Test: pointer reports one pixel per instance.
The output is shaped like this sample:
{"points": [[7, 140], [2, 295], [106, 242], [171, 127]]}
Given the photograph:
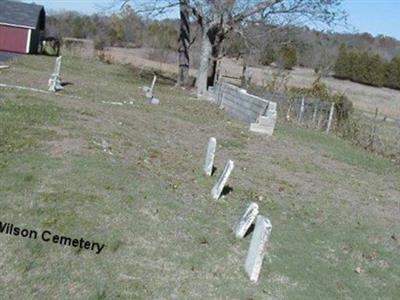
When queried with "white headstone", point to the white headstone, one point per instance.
{"points": [[57, 66], [223, 178], [55, 79], [209, 163], [257, 247], [246, 220]]}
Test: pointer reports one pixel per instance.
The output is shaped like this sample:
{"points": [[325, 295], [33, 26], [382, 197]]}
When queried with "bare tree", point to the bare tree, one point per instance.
{"points": [[184, 44], [216, 18]]}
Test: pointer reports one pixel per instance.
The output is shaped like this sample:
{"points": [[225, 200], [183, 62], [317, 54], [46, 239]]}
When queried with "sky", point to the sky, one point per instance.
{"points": [[373, 16]]}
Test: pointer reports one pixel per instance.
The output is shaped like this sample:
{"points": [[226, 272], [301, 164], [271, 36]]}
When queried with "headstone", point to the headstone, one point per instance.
{"points": [[209, 163], [257, 247], [246, 220], [223, 178], [55, 79]]}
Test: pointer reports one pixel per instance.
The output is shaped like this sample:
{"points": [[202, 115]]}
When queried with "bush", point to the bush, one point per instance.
{"points": [[268, 56], [288, 57], [99, 43], [365, 67], [392, 76]]}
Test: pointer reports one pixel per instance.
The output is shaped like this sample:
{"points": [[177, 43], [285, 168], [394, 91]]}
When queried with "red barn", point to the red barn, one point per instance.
{"points": [[21, 26]]}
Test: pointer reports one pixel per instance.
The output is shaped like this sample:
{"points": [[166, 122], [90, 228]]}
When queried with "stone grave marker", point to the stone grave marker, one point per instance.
{"points": [[246, 220], [55, 79], [257, 247], [222, 180], [209, 163]]}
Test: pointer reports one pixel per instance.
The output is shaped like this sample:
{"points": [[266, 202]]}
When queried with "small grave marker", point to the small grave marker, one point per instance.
{"points": [[55, 79], [257, 247], [246, 220], [223, 178], [209, 163]]}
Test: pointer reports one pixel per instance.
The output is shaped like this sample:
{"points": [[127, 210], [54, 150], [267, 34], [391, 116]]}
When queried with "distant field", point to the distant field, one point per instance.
{"points": [[365, 98]]}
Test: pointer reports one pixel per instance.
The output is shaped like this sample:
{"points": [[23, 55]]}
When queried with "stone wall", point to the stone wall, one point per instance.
{"points": [[258, 112]]}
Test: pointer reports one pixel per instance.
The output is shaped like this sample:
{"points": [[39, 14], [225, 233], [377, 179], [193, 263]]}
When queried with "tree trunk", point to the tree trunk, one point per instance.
{"points": [[215, 57], [184, 44], [205, 56]]}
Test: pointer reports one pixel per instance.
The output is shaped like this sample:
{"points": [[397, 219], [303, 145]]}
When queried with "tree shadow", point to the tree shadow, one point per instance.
{"points": [[66, 83]]}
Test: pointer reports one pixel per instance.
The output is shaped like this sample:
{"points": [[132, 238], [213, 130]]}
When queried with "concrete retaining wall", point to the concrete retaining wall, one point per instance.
{"points": [[246, 107]]}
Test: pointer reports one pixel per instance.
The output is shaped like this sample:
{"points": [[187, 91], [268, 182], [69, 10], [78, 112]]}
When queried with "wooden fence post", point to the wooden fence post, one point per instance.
{"points": [[301, 111], [328, 128]]}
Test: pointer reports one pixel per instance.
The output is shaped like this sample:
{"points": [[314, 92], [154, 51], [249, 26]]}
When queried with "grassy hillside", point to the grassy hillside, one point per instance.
{"points": [[333, 207]]}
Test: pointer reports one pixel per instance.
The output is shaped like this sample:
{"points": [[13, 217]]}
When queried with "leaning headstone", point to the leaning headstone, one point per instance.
{"points": [[257, 247], [209, 163], [149, 90], [55, 79], [246, 220], [222, 180]]}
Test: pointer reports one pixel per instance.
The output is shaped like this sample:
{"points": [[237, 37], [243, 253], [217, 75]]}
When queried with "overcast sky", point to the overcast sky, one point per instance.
{"points": [[373, 16]]}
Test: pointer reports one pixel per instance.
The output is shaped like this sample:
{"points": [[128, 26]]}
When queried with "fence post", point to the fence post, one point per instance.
{"points": [[328, 128], [301, 111], [314, 118]]}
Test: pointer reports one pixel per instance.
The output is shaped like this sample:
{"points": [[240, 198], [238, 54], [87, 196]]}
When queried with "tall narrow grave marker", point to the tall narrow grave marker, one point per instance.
{"points": [[209, 163], [222, 180], [257, 247], [55, 79]]}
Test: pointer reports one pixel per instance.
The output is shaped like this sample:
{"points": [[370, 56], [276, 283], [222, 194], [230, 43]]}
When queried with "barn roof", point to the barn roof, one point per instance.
{"points": [[22, 14]]}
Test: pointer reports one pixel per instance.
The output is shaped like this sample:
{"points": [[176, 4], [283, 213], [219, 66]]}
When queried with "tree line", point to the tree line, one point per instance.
{"points": [[367, 67]]}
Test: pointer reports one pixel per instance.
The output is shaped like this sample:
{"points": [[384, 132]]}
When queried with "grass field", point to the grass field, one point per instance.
{"points": [[333, 207]]}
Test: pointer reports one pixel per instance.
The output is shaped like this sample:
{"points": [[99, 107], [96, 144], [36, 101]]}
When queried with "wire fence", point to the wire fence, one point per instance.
{"points": [[374, 132]]}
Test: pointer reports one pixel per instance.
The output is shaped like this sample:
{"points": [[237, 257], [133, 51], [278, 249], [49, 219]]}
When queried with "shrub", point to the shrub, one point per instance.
{"points": [[288, 57], [99, 43], [392, 75], [268, 56]]}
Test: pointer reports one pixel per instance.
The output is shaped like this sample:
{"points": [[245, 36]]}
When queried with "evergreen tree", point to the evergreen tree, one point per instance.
{"points": [[393, 73], [340, 69]]}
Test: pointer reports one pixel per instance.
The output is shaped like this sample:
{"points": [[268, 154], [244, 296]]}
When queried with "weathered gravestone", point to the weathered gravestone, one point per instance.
{"points": [[246, 220], [209, 163], [257, 247], [222, 180], [149, 90], [55, 79]]}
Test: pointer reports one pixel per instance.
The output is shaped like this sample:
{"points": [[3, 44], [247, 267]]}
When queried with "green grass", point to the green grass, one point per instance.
{"points": [[333, 207], [340, 149]]}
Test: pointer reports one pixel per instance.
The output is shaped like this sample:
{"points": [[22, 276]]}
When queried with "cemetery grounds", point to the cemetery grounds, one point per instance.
{"points": [[334, 208]]}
